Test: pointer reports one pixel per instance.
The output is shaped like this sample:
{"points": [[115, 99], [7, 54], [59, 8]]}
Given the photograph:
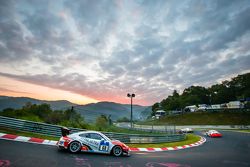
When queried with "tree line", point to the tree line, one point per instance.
{"points": [[238, 88], [68, 117]]}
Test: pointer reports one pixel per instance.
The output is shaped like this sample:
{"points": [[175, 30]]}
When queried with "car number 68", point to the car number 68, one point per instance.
{"points": [[104, 148]]}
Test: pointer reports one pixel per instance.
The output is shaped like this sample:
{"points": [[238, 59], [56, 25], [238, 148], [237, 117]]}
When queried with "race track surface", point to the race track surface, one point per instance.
{"points": [[230, 151]]}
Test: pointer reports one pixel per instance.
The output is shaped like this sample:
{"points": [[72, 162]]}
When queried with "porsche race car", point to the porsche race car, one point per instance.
{"points": [[213, 133], [92, 141]]}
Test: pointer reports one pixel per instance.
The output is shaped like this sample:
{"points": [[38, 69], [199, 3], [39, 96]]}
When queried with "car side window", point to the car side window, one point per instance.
{"points": [[87, 135], [95, 136]]}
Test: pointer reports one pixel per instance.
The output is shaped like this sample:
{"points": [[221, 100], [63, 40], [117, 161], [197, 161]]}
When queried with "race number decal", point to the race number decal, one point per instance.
{"points": [[104, 146]]}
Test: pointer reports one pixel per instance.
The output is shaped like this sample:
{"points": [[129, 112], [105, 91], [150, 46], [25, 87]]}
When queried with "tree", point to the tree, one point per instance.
{"points": [[43, 110], [43, 113], [155, 107], [102, 122], [123, 119], [55, 117], [175, 94], [236, 89]]}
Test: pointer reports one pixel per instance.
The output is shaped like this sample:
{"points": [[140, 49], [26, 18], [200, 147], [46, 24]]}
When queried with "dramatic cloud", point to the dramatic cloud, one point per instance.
{"points": [[105, 49]]}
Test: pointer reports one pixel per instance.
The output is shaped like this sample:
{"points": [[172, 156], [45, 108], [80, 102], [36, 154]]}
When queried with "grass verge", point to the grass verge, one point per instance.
{"points": [[191, 138], [239, 130], [244, 130], [204, 118]]}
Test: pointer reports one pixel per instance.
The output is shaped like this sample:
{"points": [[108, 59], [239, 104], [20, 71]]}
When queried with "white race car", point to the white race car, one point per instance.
{"points": [[186, 130], [92, 141]]}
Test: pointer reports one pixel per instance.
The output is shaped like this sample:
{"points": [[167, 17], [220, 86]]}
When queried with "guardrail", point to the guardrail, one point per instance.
{"points": [[176, 128], [55, 130], [170, 129], [226, 127]]}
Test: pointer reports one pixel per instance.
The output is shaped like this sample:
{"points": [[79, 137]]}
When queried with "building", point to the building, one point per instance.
{"points": [[192, 108], [203, 106], [235, 104], [160, 113], [216, 106]]}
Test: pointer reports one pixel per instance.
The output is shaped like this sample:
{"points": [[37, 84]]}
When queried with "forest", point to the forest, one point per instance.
{"points": [[238, 88]]}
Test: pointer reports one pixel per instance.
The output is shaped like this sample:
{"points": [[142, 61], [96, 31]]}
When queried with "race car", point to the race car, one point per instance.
{"points": [[92, 141], [186, 130], [213, 133]]}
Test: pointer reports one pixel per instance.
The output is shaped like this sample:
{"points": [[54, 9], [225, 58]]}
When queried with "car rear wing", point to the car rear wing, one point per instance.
{"points": [[65, 131]]}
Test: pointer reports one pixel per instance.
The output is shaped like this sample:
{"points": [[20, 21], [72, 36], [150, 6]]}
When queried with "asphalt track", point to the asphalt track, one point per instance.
{"points": [[233, 150]]}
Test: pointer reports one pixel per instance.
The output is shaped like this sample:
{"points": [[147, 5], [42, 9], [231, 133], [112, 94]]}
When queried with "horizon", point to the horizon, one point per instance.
{"points": [[88, 52], [70, 101], [106, 101]]}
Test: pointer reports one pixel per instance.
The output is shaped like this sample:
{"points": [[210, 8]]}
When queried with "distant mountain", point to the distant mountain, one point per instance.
{"points": [[19, 102], [116, 110], [145, 113], [89, 111]]}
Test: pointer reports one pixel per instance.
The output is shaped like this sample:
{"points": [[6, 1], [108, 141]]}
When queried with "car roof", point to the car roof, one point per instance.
{"points": [[87, 131]]}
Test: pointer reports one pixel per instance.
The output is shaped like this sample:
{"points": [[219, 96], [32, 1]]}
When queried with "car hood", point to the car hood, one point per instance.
{"points": [[117, 142]]}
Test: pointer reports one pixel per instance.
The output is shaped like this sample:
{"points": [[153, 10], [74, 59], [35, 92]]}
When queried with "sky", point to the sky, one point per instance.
{"points": [[87, 51]]}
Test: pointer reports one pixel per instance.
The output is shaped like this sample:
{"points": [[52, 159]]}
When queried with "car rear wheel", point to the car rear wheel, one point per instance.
{"points": [[74, 146], [117, 151]]}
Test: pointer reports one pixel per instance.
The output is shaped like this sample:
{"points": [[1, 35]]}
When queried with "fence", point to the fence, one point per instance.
{"points": [[55, 130], [170, 129]]}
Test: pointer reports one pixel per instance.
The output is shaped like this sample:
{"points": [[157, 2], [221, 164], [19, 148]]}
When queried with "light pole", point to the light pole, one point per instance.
{"points": [[131, 114]]}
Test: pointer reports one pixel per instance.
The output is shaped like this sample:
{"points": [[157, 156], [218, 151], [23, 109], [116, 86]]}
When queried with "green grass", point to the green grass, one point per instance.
{"points": [[238, 130], [204, 118], [191, 138], [248, 131]]}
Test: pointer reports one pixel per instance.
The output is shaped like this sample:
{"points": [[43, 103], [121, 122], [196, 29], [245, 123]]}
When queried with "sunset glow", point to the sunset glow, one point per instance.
{"points": [[21, 89], [91, 51]]}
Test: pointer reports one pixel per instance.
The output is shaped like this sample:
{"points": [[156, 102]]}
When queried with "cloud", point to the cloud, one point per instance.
{"points": [[104, 49], [12, 91]]}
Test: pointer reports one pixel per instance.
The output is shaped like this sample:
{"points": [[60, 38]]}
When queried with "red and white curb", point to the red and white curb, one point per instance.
{"points": [[53, 143], [27, 139], [198, 143]]}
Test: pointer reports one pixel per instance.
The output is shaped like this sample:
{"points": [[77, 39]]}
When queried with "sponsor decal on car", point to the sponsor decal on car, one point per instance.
{"points": [[104, 146], [90, 142]]}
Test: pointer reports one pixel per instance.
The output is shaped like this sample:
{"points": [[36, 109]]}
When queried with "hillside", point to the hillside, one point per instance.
{"points": [[19, 102], [89, 111], [201, 118], [236, 89], [116, 110]]}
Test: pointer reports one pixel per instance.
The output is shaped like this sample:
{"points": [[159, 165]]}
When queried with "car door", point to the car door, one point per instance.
{"points": [[89, 140], [95, 142], [103, 145]]}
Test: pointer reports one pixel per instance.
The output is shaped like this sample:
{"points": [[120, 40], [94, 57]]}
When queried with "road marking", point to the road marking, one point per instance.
{"points": [[143, 149], [22, 138], [49, 142], [2, 134], [8, 136], [158, 149], [36, 140]]}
